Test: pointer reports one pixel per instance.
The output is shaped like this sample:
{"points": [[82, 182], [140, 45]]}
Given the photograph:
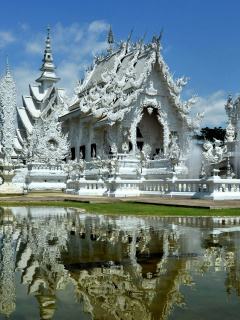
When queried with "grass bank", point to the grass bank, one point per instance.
{"points": [[129, 208]]}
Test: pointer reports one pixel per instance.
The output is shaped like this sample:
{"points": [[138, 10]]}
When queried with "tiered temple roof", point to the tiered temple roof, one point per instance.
{"points": [[42, 97], [117, 79]]}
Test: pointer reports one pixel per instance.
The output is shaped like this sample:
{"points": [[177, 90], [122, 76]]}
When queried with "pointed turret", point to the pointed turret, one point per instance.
{"points": [[48, 76], [7, 69], [110, 40]]}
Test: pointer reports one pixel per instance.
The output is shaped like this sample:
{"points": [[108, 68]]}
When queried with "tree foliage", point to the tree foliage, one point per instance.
{"points": [[209, 133]]}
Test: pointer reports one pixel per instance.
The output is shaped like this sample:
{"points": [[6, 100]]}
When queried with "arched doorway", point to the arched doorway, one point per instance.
{"points": [[150, 131]]}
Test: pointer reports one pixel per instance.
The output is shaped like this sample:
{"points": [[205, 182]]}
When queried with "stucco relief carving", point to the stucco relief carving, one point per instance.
{"points": [[151, 91], [149, 102], [107, 99], [47, 143], [162, 118]]}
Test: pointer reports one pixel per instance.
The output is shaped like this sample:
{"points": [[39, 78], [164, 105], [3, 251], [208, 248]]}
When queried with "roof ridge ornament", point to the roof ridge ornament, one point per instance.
{"points": [[143, 37], [154, 37], [160, 36], [128, 39], [130, 35]]}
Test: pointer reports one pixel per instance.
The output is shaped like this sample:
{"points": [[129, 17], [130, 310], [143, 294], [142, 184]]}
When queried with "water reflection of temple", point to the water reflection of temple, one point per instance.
{"points": [[121, 268]]}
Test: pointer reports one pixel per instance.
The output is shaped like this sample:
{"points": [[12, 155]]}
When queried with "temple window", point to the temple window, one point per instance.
{"points": [[140, 145], [82, 152], [93, 150], [73, 153]]}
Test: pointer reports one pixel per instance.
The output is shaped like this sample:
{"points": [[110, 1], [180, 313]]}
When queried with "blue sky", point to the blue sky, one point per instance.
{"points": [[201, 40]]}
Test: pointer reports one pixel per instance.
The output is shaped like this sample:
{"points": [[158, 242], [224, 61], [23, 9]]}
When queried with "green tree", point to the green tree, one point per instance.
{"points": [[209, 133]]}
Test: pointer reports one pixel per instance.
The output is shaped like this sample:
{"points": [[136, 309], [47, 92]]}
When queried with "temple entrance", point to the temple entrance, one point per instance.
{"points": [[150, 131]]}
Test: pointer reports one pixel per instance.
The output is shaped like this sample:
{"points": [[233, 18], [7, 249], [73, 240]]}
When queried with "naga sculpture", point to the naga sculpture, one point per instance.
{"points": [[214, 153]]}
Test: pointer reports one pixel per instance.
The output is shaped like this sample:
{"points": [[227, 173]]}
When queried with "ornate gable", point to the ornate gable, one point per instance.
{"points": [[112, 86]]}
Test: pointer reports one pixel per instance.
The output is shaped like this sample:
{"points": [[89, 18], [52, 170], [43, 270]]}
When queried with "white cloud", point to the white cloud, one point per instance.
{"points": [[34, 48], [98, 27], [215, 114], [6, 37], [167, 49], [23, 26], [77, 41], [23, 76], [69, 74]]}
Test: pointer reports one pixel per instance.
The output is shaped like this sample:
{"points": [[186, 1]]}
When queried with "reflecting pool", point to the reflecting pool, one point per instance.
{"points": [[59, 263]]}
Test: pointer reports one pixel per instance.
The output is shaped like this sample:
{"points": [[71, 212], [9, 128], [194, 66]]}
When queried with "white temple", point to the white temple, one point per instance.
{"points": [[127, 122], [42, 145], [125, 132], [128, 101]]}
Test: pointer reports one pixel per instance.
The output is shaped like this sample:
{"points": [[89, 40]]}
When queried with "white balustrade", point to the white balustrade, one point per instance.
{"points": [[131, 182]]}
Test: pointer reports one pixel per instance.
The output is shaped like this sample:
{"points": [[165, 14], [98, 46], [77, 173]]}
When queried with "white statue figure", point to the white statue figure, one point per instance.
{"points": [[214, 153], [114, 149], [196, 122], [174, 150], [230, 132], [146, 150], [125, 147], [151, 91], [180, 81], [202, 174]]}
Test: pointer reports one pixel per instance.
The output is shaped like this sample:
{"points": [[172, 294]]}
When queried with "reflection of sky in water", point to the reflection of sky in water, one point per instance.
{"points": [[58, 264]]}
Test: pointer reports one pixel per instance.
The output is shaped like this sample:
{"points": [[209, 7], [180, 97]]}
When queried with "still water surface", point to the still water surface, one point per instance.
{"points": [[57, 263]]}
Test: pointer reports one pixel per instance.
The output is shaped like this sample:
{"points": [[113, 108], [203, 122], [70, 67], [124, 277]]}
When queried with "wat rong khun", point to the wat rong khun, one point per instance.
{"points": [[125, 131]]}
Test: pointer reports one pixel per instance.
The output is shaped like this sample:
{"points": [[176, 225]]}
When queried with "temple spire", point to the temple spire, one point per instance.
{"points": [[48, 47], [110, 40], [48, 67], [7, 69]]}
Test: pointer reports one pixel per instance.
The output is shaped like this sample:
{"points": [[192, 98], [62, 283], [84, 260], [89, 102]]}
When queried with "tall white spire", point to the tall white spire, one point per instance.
{"points": [[7, 69], [48, 68], [8, 107]]}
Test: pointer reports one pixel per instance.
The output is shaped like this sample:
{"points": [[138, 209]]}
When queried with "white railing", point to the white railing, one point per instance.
{"points": [[86, 187], [212, 188], [44, 166]]}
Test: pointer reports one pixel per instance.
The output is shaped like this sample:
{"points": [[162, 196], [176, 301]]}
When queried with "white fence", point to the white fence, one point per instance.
{"points": [[212, 188]]}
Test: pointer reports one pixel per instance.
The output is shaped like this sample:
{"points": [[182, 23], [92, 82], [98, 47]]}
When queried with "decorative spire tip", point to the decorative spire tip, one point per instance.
{"points": [[7, 70]]}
